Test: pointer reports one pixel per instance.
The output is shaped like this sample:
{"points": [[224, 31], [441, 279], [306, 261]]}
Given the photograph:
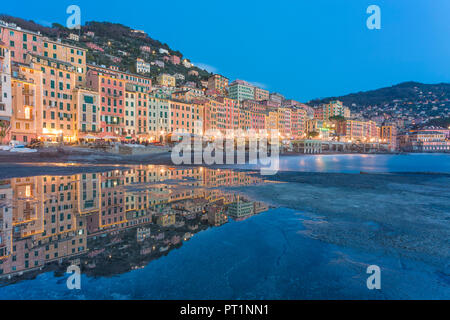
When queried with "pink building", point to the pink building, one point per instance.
{"points": [[146, 49], [112, 97], [175, 59], [95, 47], [270, 104], [231, 112], [258, 121], [20, 42]]}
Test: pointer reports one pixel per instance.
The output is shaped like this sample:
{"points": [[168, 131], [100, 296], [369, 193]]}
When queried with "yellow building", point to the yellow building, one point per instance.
{"points": [[166, 80], [26, 89], [56, 119], [166, 220]]}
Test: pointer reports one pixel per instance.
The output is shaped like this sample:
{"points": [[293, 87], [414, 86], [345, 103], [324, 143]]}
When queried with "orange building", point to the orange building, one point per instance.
{"points": [[231, 111], [284, 122], [57, 118], [298, 122], [142, 114], [261, 94], [185, 117], [218, 83], [142, 83], [26, 102], [389, 135], [65, 52]]}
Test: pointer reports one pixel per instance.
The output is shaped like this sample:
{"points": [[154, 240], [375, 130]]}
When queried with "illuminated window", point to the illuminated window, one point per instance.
{"points": [[27, 113]]}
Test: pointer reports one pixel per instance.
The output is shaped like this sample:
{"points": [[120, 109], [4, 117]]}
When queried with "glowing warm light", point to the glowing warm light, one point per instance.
{"points": [[27, 113], [28, 191]]}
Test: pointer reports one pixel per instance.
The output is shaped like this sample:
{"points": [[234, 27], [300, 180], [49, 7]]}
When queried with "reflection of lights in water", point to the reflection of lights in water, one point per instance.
{"points": [[320, 163], [88, 196]]}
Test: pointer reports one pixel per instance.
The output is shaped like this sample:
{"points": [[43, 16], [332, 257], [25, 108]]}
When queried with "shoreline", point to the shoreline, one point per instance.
{"points": [[89, 156]]}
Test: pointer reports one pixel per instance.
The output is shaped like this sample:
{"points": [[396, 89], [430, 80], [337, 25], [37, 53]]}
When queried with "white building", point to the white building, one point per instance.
{"points": [[142, 66], [159, 63], [179, 76], [159, 116], [163, 51], [74, 37], [187, 63], [130, 113]]}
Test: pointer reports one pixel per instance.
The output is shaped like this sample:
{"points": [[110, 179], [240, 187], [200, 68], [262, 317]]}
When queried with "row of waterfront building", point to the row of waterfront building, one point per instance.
{"points": [[48, 91]]}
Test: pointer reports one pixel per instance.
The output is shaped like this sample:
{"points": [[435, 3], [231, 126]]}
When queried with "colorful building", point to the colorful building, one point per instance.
{"points": [[159, 123], [426, 140], [20, 41], [298, 122], [166, 80], [26, 102], [142, 66], [130, 114], [218, 83], [241, 90], [112, 101], [57, 119], [389, 136], [358, 131], [70, 54], [261, 94], [88, 107], [185, 117], [5, 93]]}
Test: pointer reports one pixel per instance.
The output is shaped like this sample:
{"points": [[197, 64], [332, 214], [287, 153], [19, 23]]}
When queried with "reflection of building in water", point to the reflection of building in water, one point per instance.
{"points": [[241, 207], [46, 223], [142, 234], [216, 214], [26, 217], [260, 207], [191, 205], [6, 215], [88, 197], [56, 218], [166, 220]]}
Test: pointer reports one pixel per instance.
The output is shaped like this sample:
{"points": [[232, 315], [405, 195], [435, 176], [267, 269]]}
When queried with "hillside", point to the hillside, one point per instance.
{"points": [[115, 44], [409, 101]]}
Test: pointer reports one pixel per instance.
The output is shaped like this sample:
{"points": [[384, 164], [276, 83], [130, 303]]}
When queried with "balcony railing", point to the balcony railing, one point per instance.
{"points": [[27, 92], [111, 94]]}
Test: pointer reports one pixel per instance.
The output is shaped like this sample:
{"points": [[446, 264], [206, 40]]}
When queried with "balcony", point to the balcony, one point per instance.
{"points": [[27, 92], [111, 94]]}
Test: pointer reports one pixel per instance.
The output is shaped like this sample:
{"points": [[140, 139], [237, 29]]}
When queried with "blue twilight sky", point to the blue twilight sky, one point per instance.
{"points": [[304, 49]]}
